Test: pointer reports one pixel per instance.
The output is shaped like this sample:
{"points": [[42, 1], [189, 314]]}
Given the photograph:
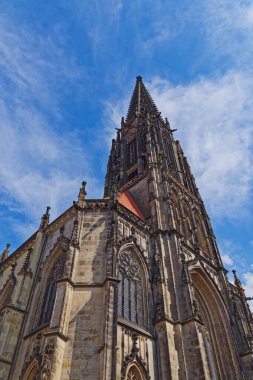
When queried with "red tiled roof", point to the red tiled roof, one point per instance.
{"points": [[126, 200]]}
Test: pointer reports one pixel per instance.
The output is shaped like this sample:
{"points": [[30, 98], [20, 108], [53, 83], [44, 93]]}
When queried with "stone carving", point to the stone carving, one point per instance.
{"points": [[47, 361], [129, 267], [12, 277], [25, 270], [5, 253], [133, 356], [74, 235], [132, 218], [185, 273], [159, 310], [195, 309], [157, 275], [82, 195], [45, 220], [36, 347], [36, 355]]}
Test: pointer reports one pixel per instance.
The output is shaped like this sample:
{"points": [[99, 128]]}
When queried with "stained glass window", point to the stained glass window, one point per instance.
{"points": [[50, 292], [132, 295]]}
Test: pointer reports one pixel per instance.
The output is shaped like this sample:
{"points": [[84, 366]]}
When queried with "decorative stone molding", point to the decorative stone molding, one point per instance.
{"points": [[47, 361], [35, 358], [132, 218], [25, 270], [134, 357], [74, 241], [159, 311], [185, 268], [157, 273], [93, 204], [129, 267]]}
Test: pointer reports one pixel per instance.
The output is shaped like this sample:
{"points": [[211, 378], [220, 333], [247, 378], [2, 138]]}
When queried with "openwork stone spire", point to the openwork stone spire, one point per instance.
{"points": [[141, 101]]}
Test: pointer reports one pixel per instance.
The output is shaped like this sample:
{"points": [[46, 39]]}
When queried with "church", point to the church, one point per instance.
{"points": [[130, 286]]}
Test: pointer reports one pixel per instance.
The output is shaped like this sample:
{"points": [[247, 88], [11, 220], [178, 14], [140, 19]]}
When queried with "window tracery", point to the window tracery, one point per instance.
{"points": [[201, 236], [6, 295], [177, 217], [131, 296], [50, 289], [187, 225], [133, 374]]}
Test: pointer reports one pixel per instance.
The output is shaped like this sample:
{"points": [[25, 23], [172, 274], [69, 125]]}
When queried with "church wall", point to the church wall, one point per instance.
{"points": [[20, 277], [76, 354], [91, 263], [85, 333]]}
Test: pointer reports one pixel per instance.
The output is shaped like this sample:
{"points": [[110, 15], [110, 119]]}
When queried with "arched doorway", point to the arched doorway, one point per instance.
{"points": [[216, 331]]}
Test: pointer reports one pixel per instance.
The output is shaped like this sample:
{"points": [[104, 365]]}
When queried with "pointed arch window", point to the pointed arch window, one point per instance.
{"points": [[6, 295], [132, 289], [201, 236], [55, 274], [32, 372], [134, 374], [187, 222]]}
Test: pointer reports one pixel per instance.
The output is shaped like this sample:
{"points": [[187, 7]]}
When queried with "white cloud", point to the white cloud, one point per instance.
{"points": [[227, 260], [39, 164], [248, 285], [229, 27], [215, 127]]}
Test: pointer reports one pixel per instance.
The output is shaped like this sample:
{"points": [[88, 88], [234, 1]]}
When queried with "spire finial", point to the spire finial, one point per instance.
{"points": [[82, 194], [139, 78], [5, 253], [45, 219]]}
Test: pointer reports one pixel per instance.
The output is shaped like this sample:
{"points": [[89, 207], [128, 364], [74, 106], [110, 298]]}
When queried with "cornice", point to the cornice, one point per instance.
{"points": [[128, 215]]}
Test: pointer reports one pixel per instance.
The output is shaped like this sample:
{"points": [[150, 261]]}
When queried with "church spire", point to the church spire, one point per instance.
{"points": [[145, 138], [141, 101]]}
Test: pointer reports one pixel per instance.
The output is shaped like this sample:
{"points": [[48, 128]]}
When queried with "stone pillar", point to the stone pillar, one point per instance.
{"points": [[109, 356]]}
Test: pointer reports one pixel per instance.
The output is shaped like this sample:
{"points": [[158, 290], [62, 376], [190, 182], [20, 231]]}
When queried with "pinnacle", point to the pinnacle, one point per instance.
{"points": [[45, 219], [82, 194], [5, 253]]}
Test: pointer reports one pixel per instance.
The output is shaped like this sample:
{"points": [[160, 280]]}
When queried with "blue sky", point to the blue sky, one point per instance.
{"points": [[67, 71]]}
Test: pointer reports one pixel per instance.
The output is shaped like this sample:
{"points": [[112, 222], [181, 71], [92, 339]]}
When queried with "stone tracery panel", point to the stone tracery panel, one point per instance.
{"points": [[134, 374], [55, 272], [132, 296]]}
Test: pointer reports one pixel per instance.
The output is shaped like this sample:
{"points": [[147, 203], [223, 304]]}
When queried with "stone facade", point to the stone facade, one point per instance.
{"points": [[128, 287]]}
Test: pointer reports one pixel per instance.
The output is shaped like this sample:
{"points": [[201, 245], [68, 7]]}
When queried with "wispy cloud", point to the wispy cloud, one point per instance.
{"points": [[38, 160], [248, 285], [215, 126], [229, 27], [227, 259]]}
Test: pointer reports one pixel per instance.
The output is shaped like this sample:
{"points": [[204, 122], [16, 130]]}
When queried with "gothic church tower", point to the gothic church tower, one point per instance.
{"points": [[131, 286]]}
